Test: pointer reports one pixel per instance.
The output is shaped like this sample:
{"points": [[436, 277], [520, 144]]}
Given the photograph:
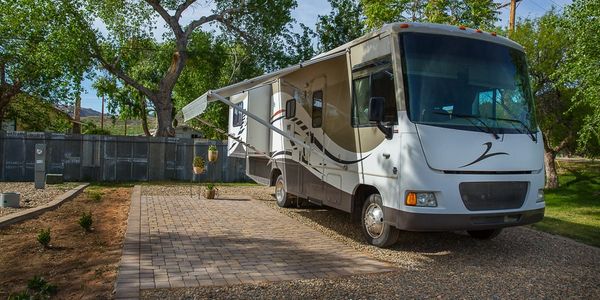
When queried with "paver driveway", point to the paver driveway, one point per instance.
{"points": [[180, 241]]}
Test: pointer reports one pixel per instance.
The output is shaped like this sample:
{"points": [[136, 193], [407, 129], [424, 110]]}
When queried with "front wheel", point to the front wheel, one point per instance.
{"points": [[283, 198], [487, 234], [375, 230]]}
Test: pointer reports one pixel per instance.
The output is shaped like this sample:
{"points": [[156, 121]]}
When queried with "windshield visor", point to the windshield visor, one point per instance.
{"points": [[466, 84]]}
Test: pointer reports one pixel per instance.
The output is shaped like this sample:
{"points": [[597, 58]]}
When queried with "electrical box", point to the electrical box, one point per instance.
{"points": [[10, 200], [40, 166]]}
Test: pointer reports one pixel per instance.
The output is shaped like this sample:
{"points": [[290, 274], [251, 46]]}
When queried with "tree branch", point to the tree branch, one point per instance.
{"points": [[119, 73], [214, 17], [170, 20], [182, 8]]}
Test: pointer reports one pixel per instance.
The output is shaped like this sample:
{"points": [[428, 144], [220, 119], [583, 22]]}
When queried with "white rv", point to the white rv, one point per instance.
{"points": [[417, 127]]}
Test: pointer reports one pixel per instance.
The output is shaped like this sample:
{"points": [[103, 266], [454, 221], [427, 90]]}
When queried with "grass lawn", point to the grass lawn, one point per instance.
{"points": [[573, 210]]}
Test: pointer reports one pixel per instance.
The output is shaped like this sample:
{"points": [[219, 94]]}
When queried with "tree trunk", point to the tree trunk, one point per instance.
{"points": [[164, 114], [551, 172], [144, 116], [77, 116]]}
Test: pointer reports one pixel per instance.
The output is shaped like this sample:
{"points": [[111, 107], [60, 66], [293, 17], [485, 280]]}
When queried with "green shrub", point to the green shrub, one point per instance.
{"points": [[96, 196], [210, 186], [198, 162], [86, 221], [44, 237], [212, 148]]}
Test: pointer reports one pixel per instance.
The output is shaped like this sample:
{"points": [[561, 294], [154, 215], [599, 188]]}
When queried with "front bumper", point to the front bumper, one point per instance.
{"points": [[448, 222]]}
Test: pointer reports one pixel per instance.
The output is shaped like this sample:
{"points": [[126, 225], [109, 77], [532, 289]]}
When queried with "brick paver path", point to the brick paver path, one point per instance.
{"points": [[189, 242]]}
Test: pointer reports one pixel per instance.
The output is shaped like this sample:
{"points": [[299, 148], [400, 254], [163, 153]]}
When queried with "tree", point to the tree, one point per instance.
{"points": [[582, 23], [39, 56], [253, 21], [472, 13], [546, 43], [343, 24]]}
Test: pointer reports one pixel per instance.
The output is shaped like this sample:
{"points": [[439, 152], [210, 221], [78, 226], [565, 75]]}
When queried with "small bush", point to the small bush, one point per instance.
{"points": [[86, 221], [210, 186], [198, 162], [41, 286], [44, 237], [95, 196], [212, 148]]}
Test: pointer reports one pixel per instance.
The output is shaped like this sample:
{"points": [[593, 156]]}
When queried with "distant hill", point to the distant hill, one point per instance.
{"points": [[89, 112]]}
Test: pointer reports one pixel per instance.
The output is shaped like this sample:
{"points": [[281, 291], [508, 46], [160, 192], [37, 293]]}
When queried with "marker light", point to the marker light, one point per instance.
{"points": [[461, 27], [540, 197], [493, 33], [479, 31], [424, 199], [403, 25]]}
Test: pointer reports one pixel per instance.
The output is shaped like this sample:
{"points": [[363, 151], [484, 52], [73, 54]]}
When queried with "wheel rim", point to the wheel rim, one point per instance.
{"points": [[279, 191], [374, 220]]}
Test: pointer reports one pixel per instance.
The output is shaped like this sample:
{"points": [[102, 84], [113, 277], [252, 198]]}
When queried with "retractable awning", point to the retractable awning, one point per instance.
{"points": [[197, 107]]}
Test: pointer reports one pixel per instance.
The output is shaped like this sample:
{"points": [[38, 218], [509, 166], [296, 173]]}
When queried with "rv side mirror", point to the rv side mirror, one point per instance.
{"points": [[376, 109], [290, 109]]}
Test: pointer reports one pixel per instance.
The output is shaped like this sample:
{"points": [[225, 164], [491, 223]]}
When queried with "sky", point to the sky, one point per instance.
{"points": [[307, 13]]}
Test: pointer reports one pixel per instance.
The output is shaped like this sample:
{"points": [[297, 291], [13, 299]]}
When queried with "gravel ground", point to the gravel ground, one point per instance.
{"points": [[30, 196], [520, 263]]}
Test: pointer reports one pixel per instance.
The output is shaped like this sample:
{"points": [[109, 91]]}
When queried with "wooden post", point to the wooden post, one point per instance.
{"points": [[511, 22]]}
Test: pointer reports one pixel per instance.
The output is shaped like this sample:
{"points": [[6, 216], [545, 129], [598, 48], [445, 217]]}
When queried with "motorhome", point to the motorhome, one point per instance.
{"points": [[416, 127]]}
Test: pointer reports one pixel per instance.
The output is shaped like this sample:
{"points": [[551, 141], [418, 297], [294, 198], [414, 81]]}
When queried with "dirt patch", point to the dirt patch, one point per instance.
{"points": [[82, 265]]}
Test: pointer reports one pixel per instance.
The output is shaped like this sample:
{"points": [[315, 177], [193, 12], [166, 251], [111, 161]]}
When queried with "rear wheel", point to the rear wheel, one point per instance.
{"points": [[377, 232], [283, 198], [487, 234]]}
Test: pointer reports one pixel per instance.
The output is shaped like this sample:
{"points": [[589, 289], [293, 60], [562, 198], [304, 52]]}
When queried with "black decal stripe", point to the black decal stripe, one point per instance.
{"points": [[332, 157], [279, 153], [277, 119], [485, 155], [303, 127]]}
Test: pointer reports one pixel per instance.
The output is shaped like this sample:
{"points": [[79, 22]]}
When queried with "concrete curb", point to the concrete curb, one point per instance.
{"points": [[36, 211], [127, 285]]}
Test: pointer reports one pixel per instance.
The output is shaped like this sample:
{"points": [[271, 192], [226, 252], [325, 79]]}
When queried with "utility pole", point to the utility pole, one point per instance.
{"points": [[511, 22], [513, 10]]}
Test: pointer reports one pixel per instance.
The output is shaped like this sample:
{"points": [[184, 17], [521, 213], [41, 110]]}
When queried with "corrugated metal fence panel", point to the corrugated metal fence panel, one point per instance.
{"points": [[112, 158]]}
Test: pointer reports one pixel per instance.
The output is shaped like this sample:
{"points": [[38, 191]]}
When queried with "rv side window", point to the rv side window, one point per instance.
{"points": [[238, 116], [317, 109], [376, 84]]}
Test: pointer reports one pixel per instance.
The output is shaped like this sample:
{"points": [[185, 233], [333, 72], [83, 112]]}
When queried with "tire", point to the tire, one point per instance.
{"points": [[487, 234], [281, 194], [376, 232]]}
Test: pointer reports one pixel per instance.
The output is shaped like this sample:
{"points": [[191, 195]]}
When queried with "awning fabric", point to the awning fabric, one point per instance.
{"points": [[197, 107]]}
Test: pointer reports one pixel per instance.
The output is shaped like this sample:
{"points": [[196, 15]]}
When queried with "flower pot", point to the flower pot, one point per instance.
{"points": [[213, 155], [210, 194], [198, 170]]}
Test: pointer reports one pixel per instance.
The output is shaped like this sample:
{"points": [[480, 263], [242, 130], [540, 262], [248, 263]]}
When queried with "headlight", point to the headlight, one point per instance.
{"points": [[540, 197], [425, 199]]}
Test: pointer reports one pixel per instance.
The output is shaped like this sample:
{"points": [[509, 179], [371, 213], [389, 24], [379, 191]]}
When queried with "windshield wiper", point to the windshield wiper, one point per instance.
{"points": [[469, 118], [529, 131]]}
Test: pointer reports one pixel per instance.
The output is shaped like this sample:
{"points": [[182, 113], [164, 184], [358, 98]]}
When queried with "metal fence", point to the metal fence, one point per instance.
{"points": [[114, 158]]}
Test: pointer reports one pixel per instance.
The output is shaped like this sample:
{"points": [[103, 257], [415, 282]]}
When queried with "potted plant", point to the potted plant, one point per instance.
{"points": [[213, 153], [198, 165], [211, 191]]}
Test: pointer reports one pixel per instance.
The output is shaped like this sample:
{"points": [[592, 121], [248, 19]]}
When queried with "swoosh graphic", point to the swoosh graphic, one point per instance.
{"points": [[485, 154]]}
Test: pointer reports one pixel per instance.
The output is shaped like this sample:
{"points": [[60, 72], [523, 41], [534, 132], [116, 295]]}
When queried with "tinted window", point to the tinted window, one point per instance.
{"points": [[238, 116], [452, 80], [317, 109], [373, 80]]}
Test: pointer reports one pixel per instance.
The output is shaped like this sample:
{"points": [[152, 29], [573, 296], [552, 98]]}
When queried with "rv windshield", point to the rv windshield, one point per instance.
{"points": [[466, 84]]}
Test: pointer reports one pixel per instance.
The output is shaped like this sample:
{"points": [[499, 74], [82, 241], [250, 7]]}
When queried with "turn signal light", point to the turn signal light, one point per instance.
{"points": [[411, 199]]}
